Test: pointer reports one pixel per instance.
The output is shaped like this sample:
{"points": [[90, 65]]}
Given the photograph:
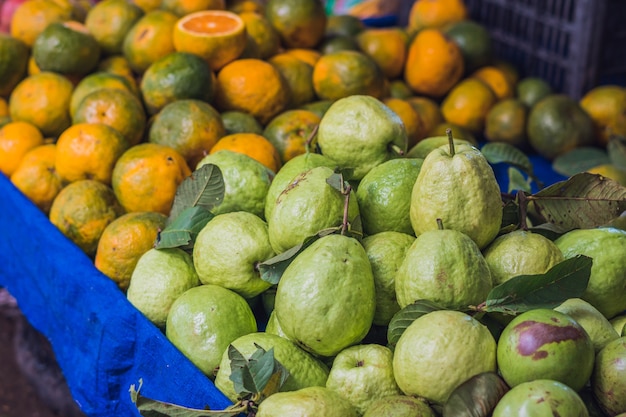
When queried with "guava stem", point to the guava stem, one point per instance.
{"points": [[307, 143], [396, 149], [346, 205], [439, 224], [450, 141]]}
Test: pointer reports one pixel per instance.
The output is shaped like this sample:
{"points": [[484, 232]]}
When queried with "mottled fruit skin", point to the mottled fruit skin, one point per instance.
{"points": [[541, 398], [399, 406], [609, 377], [306, 402], [545, 344]]}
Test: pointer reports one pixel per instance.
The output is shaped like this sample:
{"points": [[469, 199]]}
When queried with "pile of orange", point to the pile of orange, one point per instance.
{"points": [[179, 79]]}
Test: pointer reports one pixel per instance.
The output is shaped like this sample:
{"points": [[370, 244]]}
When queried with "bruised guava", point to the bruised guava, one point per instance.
{"points": [[545, 344], [541, 397], [609, 377]]}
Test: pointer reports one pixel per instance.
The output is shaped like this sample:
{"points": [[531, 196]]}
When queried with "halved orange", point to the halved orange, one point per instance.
{"points": [[218, 36]]}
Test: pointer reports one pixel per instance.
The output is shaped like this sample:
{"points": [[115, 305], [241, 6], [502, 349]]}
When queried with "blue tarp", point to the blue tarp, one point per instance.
{"points": [[102, 343]]}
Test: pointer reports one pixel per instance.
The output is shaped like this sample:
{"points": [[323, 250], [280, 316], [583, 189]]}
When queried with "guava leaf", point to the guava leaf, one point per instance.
{"points": [[260, 374], [407, 315], [203, 188], [579, 160], [272, 269], [548, 230], [500, 152], [583, 201], [616, 148], [182, 232], [476, 397], [336, 180], [567, 279], [517, 180], [148, 407]]}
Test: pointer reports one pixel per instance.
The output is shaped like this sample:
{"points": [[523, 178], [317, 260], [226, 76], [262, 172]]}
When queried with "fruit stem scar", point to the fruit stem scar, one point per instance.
{"points": [[396, 149]]}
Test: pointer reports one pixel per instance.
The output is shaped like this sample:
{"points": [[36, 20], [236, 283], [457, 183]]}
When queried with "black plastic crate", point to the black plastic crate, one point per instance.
{"points": [[573, 44]]}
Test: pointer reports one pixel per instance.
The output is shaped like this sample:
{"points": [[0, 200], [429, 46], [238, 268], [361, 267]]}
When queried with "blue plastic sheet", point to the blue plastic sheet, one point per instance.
{"points": [[102, 343]]}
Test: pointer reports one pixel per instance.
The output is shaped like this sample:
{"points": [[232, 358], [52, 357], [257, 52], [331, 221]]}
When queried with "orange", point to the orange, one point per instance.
{"points": [[36, 177], [255, 146], [149, 39], [344, 73], [148, 5], [429, 111], [241, 6], [508, 68], [410, 118], [343, 25], [530, 90], [436, 13], [240, 122], [146, 176], [468, 103], [475, 43], [82, 210], [299, 23], [217, 36], [298, 75], [434, 64], [253, 86], [290, 131], [497, 80], [123, 242], [506, 122], [119, 65], [31, 18], [96, 81], [179, 75], [44, 100], [184, 7], [318, 107], [458, 132], [89, 151], [4, 108], [117, 108], [14, 57], [261, 33], [606, 105], [310, 56], [399, 89], [338, 43], [109, 21], [387, 47], [33, 69], [16, 139], [191, 127]]}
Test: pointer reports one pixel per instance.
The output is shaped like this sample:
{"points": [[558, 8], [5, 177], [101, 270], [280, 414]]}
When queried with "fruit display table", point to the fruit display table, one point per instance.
{"points": [[101, 342]]}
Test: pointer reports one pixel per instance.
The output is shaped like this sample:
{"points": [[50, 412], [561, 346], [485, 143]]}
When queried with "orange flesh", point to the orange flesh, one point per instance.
{"points": [[213, 24]]}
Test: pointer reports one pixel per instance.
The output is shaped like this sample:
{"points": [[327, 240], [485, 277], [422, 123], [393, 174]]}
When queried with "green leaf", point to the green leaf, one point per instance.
{"points": [[583, 201], [260, 374], [407, 315], [148, 407], [203, 188], [500, 152], [616, 149], [517, 181], [567, 279], [272, 269], [182, 232], [510, 216], [476, 397], [579, 160]]}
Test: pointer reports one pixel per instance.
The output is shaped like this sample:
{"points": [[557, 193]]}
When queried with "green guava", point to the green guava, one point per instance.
{"points": [[545, 344], [399, 406], [608, 380], [306, 402], [595, 324], [541, 398]]}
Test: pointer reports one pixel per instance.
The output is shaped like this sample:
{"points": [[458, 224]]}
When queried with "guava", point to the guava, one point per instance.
{"points": [[204, 320], [444, 266], [304, 369], [520, 252], [159, 278], [607, 283], [457, 185], [306, 402], [439, 351], [541, 398], [360, 132], [545, 344], [386, 251], [608, 380], [384, 196], [229, 248], [325, 298], [306, 206], [362, 374], [399, 406], [595, 324]]}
